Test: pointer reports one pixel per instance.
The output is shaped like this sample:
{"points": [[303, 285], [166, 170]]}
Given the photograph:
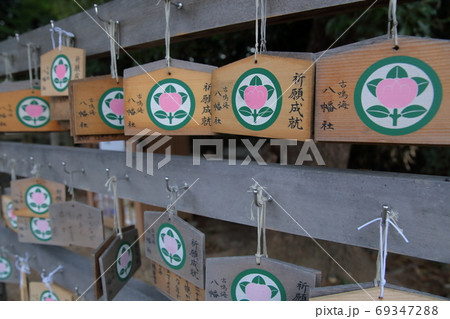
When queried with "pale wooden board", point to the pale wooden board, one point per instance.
{"points": [[191, 266], [111, 282], [98, 288], [138, 84], [222, 273], [7, 86], [84, 100], [77, 59], [37, 289], [12, 275], [18, 192], [173, 285], [9, 104], [295, 116], [6, 200], [77, 224], [373, 293], [25, 234], [348, 64], [59, 108]]}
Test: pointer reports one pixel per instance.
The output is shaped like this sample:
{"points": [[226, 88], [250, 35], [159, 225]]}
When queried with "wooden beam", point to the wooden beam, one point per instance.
{"points": [[142, 23], [329, 204]]}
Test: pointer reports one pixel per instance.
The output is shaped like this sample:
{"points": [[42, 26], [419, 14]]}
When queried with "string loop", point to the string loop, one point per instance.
{"points": [[22, 266], [260, 202], [67, 37], [48, 280], [167, 35], [393, 23]]}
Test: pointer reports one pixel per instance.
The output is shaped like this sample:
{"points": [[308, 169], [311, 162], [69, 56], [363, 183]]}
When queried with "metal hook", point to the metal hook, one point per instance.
{"points": [[100, 18], [178, 5], [52, 24], [18, 40], [82, 171], [174, 189], [126, 177], [267, 198], [384, 213]]}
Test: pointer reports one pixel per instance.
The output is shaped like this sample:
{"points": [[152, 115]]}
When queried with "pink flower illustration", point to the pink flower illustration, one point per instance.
{"points": [[49, 299], [38, 198], [170, 102], [255, 96], [257, 292], [60, 71], [397, 93], [43, 225], [125, 258], [171, 244], [34, 110], [11, 215], [116, 106], [2, 267]]}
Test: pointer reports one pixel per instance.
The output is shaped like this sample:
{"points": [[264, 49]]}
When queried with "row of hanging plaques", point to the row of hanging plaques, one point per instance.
{"points": [[364, 92], [38, 212]]}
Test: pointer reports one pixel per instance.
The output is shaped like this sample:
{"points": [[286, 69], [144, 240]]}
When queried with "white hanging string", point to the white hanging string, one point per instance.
{"points": [[167, 36], [393, 23], [111, 184], [71, 189], [256, 28], [48, 280], [12, 166], [7, 59], [260, 222], [23, 267], [263, 47], [33, 57], [111, 29], [171, 207], [391, 218], [61, 32], [35, 170]]}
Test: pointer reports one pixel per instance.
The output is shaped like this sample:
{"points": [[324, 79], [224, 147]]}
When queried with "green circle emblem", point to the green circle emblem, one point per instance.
{"points": [[61, 73], [110, 108], [257, 285], [171, 246], [33, 111]]}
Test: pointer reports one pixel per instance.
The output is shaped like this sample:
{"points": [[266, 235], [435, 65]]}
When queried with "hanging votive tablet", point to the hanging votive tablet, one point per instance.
{"points": [[25, 110], [271, 97], [172, 103], [242, 279], [371, 92]]}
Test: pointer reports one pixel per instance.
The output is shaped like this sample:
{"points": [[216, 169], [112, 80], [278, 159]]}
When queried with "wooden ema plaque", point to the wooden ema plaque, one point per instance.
{"points": [[59, 108], [178, 103], [40, 292], [58, 67], [32, 197], [98, 288], [36, 230], [369, 92], [8, 272], [77, 224], [241, 279], [119, 262], [8, 212], [270, 98], [97, 106], [176, 245], [25, 111]]}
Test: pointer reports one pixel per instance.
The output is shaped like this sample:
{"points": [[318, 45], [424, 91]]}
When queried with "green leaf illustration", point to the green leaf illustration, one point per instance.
{"points": [[270, 90], [24, 107], [37, 231], [156, 97], [170, 89], [111, 116], [165, 252], [378, 111], [162, 236], [184, 97], [242, 90], [60, 61], [245, 111], [274, 291], [178, 244], [54, 69], [258, 280], [33, 205], [244, 300], [413, 111], [422, 84], [122, 271], [160, 114], [397, 72], [27, 118], [44, 205], [372, 86], [42, 118], [255, 81], [179, 114], [170, 233], [107, 102], [34, 102], [176, 258], [56, 80], [265, 112], [48, 232], [38, 190], [243, 285], [119, 96], [65, 80]]}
